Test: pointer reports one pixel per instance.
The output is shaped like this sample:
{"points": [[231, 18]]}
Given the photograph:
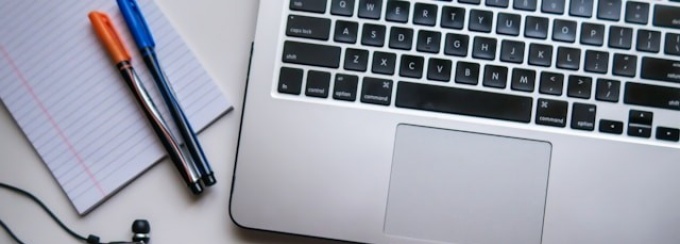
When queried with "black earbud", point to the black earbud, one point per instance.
{"points": [[141, 230]]}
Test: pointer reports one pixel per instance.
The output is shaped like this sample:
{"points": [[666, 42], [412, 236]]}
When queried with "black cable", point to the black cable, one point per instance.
{"points": [[92, 239], [11, 234], [44, 207]]}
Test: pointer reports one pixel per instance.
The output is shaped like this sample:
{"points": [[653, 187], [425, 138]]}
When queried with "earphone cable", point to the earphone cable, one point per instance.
{"points": [[11, 234], [44, 207]]}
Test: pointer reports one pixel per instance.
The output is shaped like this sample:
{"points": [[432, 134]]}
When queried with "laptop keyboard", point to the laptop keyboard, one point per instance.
{"points": [[569, 64]]}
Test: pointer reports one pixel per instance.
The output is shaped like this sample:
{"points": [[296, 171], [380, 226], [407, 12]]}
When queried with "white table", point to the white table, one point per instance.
{"points": [[220, 32]]}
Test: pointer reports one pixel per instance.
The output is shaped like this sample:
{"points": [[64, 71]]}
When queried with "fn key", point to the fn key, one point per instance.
{"points": [[290, 81]]}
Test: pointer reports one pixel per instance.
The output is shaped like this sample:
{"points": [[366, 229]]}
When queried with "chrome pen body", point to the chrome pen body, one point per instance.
{"points": [[187, 132], [170, 142]]}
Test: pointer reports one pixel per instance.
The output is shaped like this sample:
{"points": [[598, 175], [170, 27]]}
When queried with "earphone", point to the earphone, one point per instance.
{"points": [[141, 228]]}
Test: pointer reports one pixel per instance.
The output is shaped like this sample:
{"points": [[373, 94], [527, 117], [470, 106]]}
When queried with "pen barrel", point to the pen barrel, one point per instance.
{"points": [[160, 127], [187, 132]]}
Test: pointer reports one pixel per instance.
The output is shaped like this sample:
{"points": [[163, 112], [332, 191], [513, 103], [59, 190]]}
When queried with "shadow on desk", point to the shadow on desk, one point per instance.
{"points": [[257, 236]]}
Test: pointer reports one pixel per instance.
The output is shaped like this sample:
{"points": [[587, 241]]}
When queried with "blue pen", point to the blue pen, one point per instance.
{"points": [[142, 35]]}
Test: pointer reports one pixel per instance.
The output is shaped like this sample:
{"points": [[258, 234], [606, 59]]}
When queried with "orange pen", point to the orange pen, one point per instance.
{"points": [[111, 41]]}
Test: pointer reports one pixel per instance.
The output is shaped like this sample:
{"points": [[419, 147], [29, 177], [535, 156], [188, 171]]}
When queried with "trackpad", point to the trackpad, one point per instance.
{"points": [[461, 187]]}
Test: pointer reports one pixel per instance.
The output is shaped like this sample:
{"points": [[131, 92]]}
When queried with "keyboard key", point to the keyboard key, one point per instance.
{"points": [[625, 65], [637, 12], [373, 35], [667, 134], [564, 31], [597, 62], [568, 58], [498, 3], [467, 73], [411, 66], [661, 69], [313, 6], [384, 63], [464, 102], [456, 45], [512, 51], [429, 41], [551, 83], [649, 41], [528, 5], [484, 48], [611, 126], [672, 44], [317, 84], [439, 69], [579, 86], [620, 37], [592, 34], [356, 59], [346, 31], [495, 76], [397, 11], [666, 16], [290, 81], [640, 131], [664, 97], [342, 7], [523, 80], [583, 116], [480, 21], [308, 27], [581, 8], [609, 10], [311, 54], [639, 117], [551, 112], [401, 38], [540, 55], [607, 90], [553, 6], [345, 87], [425, 14], [453, 18], [536, 27], [640, 123], [470, 1], [376, 91], [368, 9], [508, 24]]}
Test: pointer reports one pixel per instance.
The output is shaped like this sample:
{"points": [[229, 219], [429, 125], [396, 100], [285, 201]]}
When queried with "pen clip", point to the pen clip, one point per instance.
{"points": [[109, 37], [136, 24]]}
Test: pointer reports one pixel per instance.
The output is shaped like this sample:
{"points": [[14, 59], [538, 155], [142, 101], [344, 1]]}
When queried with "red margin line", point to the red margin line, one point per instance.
{"points": [[56, 127]]}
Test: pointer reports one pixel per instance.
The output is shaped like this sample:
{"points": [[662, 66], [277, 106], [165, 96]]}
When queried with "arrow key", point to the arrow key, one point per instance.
{"points": [[667, 134], [611, 126], [641, 118]]}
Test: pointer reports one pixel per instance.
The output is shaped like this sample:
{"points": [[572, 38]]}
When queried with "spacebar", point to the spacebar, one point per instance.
{"points": [[464, 102]]}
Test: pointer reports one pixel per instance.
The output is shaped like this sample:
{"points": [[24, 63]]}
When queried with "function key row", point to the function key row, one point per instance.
{"points": [[426, 14]]}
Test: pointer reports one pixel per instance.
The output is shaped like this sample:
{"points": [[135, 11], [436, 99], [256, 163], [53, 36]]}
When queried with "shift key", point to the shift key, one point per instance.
{"points": [[311, 54], [661, 69], [667, 16]]}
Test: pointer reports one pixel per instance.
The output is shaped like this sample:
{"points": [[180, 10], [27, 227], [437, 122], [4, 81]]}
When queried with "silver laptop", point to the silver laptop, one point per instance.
{"points": [[463, 121]]}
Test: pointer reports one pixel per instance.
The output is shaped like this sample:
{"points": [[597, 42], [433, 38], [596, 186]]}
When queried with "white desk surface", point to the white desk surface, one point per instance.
{"points": [[220, 33]]}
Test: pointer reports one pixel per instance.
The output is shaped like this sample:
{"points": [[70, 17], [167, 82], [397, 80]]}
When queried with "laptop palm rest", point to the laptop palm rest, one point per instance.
{"points": [[461, 187]]}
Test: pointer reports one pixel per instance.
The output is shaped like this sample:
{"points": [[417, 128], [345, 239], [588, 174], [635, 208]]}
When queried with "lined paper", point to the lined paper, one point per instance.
{"points": [[72, 104]]}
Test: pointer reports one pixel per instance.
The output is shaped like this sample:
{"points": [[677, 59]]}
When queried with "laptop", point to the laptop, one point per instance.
{"points": [[463, 121]]}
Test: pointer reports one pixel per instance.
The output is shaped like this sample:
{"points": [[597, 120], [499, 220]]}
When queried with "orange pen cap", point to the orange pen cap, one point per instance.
{"points": [[109, 37]]}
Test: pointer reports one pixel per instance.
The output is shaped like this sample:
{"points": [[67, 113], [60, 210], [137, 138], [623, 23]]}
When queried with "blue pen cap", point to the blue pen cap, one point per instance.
{"points": [[136, 24]]}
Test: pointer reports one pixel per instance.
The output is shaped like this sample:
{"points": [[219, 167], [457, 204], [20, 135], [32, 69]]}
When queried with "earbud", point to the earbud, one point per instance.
{"points": [[141, 230]]}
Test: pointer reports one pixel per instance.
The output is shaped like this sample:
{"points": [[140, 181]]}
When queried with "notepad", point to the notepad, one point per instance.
{"points": [[71, 103]]}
